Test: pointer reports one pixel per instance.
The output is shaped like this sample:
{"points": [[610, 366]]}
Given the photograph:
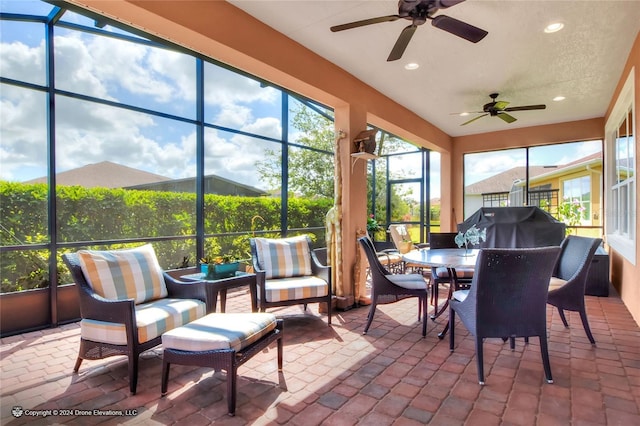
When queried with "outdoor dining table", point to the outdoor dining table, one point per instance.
{"points": [[443, 258]]}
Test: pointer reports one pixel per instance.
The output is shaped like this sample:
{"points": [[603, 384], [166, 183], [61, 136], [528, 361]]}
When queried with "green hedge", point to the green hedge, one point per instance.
{"points": [[94, 214]]}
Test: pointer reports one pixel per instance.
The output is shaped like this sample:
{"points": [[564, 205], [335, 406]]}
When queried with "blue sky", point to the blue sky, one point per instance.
{"points": [[125, 72], [162, 80]]}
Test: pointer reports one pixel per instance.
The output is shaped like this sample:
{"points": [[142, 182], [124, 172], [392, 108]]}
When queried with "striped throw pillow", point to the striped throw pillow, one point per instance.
{"points": [[124, 274], [284, 257]]}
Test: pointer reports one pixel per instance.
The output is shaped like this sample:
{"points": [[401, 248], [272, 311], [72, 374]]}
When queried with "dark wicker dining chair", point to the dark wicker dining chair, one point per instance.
{"points": [[567, 286], [387, 287], [445, 240], [507, 299]]}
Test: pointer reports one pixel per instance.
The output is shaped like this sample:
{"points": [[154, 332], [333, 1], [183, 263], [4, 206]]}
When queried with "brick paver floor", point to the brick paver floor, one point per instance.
{"points": [[336, 375]]}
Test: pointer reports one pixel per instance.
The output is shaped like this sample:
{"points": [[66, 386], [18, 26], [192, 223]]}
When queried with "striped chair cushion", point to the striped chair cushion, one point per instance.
{"points": [[460, 295], [220, 331], [278, 290], [284, 257], [460, 272], [124, 274], [152, 319], [555, 283]]}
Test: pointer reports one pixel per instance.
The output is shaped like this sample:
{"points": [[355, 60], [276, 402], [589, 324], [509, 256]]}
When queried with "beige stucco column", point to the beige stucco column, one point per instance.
{"points": [[352, 192]]}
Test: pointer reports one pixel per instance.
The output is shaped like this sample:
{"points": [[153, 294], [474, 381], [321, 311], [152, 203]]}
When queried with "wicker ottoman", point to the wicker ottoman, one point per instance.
{"points": [[222, 342]]}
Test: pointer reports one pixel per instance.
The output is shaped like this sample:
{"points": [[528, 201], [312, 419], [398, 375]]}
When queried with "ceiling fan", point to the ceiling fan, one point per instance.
{"points": [[499, 109], [419, 11]]}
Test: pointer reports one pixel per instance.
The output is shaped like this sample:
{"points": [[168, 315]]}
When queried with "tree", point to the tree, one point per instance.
{"points": [[401, 201], [311, 166]]}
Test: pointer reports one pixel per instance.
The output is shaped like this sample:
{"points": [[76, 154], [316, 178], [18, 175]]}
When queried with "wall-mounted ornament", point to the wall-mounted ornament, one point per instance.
{"points": [[366, 141], [365, 145]]}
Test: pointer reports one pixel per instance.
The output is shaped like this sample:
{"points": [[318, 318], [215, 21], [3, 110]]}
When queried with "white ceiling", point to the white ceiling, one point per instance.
{"points": [[583, 62]]}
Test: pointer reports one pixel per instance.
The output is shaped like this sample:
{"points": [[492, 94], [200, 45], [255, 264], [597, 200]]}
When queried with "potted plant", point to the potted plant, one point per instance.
{"points": [[372, 227], [218, 267]]}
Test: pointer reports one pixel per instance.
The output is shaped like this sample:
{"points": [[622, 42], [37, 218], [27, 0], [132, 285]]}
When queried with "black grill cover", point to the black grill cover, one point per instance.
{"points": [[516, 227]]}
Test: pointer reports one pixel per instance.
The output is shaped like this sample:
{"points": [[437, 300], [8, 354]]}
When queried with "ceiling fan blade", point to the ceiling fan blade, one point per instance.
{"points": [[474, 119], [364, 22], [501, 105], [401, 43], [466, 113], [526, 108], [443, 4], [459, 28], [506, 117]]}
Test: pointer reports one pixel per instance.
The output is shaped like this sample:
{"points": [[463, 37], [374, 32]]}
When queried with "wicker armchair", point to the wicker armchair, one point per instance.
{"points": [[116, 320], [401, 241], [567, 286], [507, 299], [389, 288], [288, 272]]}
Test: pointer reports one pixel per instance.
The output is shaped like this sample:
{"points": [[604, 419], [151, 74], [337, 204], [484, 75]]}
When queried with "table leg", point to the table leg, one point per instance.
{"points": [[223, 300], [452, 287], [438, 312]]}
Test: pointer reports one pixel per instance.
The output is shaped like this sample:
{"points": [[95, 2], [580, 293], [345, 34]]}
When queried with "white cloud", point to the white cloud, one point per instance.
{"points": [[24, 139], [75, 70], [265, 126], [227, 87], [233, 116], [21, 62]]}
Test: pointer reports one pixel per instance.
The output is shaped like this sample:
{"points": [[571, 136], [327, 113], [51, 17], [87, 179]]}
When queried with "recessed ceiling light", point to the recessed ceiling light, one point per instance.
{"points": [[411, 66], [464, 114], [559, 98], [554, 27]]}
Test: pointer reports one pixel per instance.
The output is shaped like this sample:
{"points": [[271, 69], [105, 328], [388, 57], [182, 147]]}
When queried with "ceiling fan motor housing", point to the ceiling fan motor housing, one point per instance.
{"points": [[416, 11], [414, 8]]}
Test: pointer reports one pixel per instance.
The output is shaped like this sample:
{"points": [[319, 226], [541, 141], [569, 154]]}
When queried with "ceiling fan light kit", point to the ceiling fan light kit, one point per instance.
{"points": [[418, 12]]}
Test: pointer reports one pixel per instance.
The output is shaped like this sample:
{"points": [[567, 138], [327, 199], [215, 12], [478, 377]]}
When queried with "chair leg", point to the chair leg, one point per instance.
{"points": [[280, 357], [585, 324], [165, 377], [434, 300], [133, 373], [423, 307], [512, 343], [562, 317], [77, 366], [232, 376], [452, 321], [370, 316], [480, 359], [545, 358]]}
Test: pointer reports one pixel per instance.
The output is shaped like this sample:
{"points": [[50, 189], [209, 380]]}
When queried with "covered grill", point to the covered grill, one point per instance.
{"points": [[516, 227]]}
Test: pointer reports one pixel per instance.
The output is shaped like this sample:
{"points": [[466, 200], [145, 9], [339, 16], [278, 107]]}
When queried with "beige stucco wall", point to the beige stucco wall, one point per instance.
{"points": [[211, 28]]}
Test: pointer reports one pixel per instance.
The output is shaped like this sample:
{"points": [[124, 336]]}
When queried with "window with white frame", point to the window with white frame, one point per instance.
{"points": [[577, 191], [620, 181]]}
